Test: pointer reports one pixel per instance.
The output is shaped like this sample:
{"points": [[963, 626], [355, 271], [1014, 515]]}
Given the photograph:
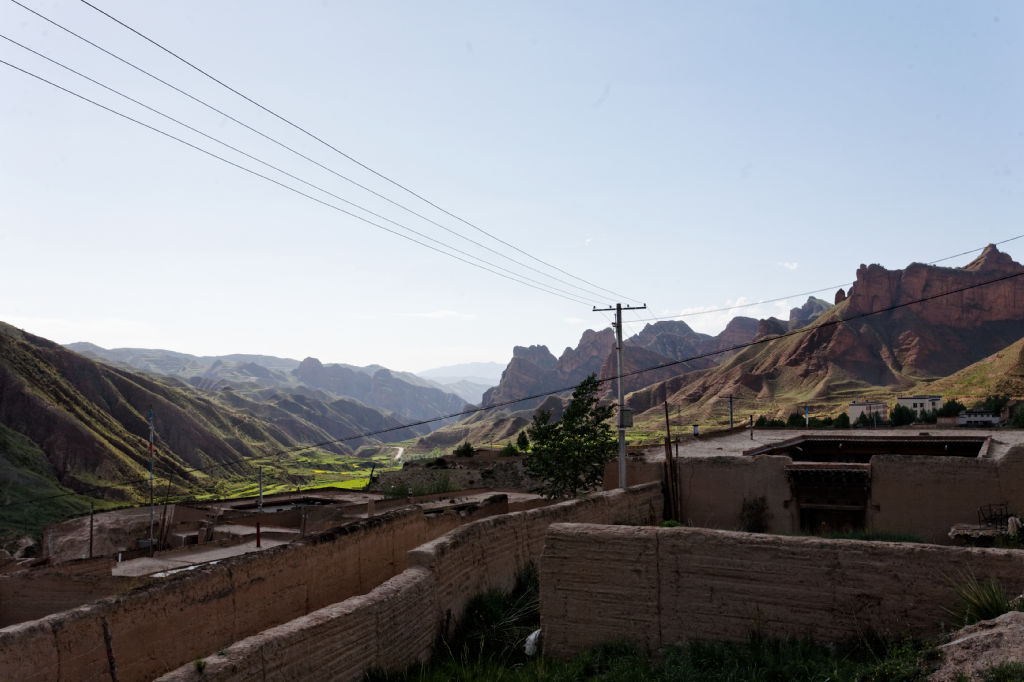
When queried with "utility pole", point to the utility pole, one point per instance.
{"points": [[259, 511], [151, 480], [618, 351], [730, 412]]}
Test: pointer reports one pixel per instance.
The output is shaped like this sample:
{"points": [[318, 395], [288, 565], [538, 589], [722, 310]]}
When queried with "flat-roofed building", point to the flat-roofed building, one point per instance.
{"points": [[920, 403], [875, 410]]}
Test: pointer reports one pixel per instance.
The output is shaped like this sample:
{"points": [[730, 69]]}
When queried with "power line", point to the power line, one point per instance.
{"points": [[808, 293], [347, 156], [293, 150], [286, 186], [280, 170], [507, 403]]}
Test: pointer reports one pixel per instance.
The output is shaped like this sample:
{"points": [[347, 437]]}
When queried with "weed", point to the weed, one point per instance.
{"points": [[200, 665], [979, 600], [1004, 672]]}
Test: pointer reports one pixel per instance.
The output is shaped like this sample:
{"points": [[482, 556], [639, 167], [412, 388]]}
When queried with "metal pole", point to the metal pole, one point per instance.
{"points": [[151, 479], [621, 406], [259, 512], [92, 511], [622, 429]]}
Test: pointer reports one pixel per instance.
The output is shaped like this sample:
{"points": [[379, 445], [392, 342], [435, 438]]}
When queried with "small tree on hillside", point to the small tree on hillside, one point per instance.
{"points": [[796, 421], [523, 442], [842, 421], [902, 415], [569, 456]]}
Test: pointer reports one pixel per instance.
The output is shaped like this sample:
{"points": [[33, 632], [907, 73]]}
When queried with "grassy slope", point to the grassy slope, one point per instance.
{"points": [[1001, 373]]}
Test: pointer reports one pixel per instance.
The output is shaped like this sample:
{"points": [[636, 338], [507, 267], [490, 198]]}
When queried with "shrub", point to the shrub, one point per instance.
{"points": [[795, 421], [523, 442], [842, 421], [754, 515], [464, 450], [979, 600], [901, 415], [510, 450], [951, 408]]}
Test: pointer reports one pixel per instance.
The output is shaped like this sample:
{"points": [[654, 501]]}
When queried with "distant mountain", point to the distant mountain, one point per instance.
{"points": [[69, 423], [408, 396], [486, 373]]}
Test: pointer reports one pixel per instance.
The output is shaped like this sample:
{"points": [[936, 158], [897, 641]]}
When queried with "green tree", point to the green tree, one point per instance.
{"points": [[902, 415], [951, 408], [464, 450], [568, 456], [842, 421], [523, 442], [796, 421]]}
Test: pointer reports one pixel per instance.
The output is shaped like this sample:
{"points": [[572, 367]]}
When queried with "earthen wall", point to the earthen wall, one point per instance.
{"points": [[396, 623], [660, 586]]}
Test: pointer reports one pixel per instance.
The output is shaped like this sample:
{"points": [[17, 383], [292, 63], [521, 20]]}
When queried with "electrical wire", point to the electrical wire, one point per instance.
{"points": [[284, 185], [291, 149], [809, 293], [282, 171], [347, 156], [544, 394]]}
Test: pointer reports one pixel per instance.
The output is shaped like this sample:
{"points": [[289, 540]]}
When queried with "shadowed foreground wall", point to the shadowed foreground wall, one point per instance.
{"points": [[396, 623], [659, 586], [150, 630]]}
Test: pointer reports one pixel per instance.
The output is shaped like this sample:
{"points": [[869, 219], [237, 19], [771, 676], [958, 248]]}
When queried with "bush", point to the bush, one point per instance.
{"points": [[523, 442], [951, 408], [510, 450], [464, 450], [979, 600], [901, 415], [764, 422], [754, 515], [795, 421], [842, 421]]}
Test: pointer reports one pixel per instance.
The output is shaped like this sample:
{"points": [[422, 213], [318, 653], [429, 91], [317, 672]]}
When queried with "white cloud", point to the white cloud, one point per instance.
{"points": [[789, 265]]}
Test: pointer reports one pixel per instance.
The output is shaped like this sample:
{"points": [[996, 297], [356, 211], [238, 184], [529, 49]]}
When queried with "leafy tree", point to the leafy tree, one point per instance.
{"points": [[951, 408], [523, 442], [1017, 420], [992, 403], [569, 456], [764, 422], [509, 450], [902, 415], [464, 450], [863, 420], [842, 421], [795, 421]]}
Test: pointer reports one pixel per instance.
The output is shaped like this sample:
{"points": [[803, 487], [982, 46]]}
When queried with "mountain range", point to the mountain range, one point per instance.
{"points": [[843, 351], [74, 419]]}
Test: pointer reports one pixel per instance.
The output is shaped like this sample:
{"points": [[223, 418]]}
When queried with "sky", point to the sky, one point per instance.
{"points": [[684, 155]]}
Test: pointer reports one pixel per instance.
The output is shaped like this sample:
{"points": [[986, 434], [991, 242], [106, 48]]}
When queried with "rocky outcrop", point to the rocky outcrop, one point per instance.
{"points": [[807, 313], [872, 339]]}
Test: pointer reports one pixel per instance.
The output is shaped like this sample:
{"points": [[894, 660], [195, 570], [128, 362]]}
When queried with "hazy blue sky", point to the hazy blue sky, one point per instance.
{"points": [[689, 155]]}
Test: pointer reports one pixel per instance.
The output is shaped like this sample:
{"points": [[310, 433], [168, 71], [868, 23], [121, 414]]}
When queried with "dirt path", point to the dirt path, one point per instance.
{"points": [[398, 455]]}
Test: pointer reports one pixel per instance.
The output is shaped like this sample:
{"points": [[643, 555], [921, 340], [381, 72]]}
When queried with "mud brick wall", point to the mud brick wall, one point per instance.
{"points": [[660, 586], [145, 632], [396, 623], [31, 594]]}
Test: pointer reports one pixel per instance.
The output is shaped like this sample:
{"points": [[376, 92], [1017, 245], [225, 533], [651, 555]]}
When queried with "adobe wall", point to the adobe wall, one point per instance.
{"points": [[150, 630], [660, 586], [34, 593], [396, 623], [927, 495], [712, 491]]}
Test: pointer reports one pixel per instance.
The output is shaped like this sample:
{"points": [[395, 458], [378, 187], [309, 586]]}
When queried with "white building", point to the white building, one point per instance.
{"points": [[977, 418], [875, 410], [920, 403]]}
